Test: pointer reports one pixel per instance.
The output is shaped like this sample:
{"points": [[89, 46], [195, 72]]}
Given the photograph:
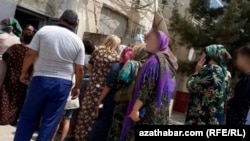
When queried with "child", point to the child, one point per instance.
{"points": [[64, 124], [239, 106]]}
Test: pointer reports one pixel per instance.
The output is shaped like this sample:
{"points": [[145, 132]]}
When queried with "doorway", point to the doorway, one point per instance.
{"points": [[25, 16]]}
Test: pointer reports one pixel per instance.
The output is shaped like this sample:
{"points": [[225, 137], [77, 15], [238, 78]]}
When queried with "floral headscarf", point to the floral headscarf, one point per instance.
{"points": [[10, 23], [126, 54], [219, 54]]}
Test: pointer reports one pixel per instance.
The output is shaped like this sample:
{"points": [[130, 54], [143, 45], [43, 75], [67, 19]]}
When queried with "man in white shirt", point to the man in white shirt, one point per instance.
{"points": [[59, 54]]}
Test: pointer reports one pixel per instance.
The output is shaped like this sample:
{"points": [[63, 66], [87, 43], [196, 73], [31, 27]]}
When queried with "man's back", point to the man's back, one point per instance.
{"points": [[58, 50]]}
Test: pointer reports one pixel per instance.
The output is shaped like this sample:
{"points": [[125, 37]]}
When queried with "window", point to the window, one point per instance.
{"points": [[25, 17], [216, 4], [112, 22]]}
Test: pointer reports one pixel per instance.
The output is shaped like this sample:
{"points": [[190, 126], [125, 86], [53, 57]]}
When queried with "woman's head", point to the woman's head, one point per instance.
{"points": [[140, 53], [243, 58], [11, 25], [111, 43], [126, 55], [218, 54], [89, 47], [156, 41]]}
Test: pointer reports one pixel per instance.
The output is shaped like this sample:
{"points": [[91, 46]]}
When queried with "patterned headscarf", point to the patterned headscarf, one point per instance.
{"points": [[219, 54], [10, 23], [126, 54], [165, 84], [140, 53]]}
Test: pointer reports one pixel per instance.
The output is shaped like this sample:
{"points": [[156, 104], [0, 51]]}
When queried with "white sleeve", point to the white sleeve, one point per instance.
{"points": [[35, 42], [81, 55]]}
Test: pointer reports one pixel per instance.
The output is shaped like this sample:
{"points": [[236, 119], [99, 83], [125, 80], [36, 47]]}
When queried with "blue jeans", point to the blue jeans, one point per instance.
{"points": [[46, 99]]}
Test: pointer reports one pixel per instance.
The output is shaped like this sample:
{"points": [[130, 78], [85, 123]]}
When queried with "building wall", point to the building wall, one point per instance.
{"points": [[181, 52], [90, 11], [112, 22]]}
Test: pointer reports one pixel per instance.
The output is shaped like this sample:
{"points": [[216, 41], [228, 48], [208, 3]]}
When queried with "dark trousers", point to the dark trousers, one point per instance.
{"points": [[46, 99], [103, 123]]}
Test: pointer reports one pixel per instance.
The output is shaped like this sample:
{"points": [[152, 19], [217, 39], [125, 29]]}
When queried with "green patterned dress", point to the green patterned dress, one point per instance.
{"points": [[208, 90]]}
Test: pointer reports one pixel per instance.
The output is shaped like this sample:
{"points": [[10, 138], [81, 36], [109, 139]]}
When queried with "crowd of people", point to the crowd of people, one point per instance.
{"points": [[51, 81]]}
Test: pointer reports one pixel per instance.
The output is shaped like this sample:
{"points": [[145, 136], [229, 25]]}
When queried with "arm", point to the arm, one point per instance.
{"points": [[78, 75], [27, 63], [138, 105], [29, 60], [146, 91], [198, 81], [110, 81], [31, 56], [79, 63], [104, 93]]}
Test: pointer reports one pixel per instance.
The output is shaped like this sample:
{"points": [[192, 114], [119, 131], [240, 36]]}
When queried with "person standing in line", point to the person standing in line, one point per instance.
{"points": [[103, 122], [100, 64], [208, 88], [89, 49], [9, 35], [60, 54], [238, 112], [127, 75], [154, 87], [13, 92]]}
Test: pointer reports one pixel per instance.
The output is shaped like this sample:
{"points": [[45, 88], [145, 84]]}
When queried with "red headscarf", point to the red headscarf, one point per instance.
{"points": [[126, 54]]}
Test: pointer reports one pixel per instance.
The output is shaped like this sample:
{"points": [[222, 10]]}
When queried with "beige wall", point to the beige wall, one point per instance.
{"points": [[89, 12], [180, 51], [45, 7]]}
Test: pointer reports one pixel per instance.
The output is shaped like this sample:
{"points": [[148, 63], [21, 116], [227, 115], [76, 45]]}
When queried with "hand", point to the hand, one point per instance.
{"points": [[97, 112], [134, 115], [199, 65], [75, 92], [98, 108], [24, 78]]}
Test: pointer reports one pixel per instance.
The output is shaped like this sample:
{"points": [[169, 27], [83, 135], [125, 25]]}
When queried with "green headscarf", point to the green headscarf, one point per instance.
{"points": [[10, 23], [219, 54]]}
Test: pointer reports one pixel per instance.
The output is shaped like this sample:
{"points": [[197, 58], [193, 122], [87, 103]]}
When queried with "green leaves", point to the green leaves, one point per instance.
{"points": [[229, 25]]}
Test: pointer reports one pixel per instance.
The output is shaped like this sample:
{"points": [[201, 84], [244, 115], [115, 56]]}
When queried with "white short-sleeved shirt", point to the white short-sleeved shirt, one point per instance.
{"points": [[58, 50]]}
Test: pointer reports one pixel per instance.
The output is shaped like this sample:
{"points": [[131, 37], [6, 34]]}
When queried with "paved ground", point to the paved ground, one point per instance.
{"points": [[7, 132]]}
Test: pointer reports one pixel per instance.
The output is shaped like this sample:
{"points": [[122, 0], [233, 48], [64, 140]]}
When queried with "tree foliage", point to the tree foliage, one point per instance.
{"points": [[229, 25]]}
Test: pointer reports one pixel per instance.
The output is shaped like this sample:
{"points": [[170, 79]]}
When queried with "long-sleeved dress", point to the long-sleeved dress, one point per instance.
{"points": [[239, 105], [147, 94], [13, 92], [101, 62], [102, 124], [208, 91]]}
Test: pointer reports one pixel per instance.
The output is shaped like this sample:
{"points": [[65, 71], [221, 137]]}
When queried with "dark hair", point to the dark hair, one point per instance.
{"points": [[35, 30], [89, 47], [245, 50], [26, 38], [70, 17]]}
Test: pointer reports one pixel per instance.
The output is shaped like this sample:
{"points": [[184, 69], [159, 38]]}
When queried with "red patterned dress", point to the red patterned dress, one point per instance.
{"points": [[12, 92]]}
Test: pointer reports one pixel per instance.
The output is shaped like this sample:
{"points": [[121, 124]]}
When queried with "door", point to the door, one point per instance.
{"points": [[181, 102]]}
